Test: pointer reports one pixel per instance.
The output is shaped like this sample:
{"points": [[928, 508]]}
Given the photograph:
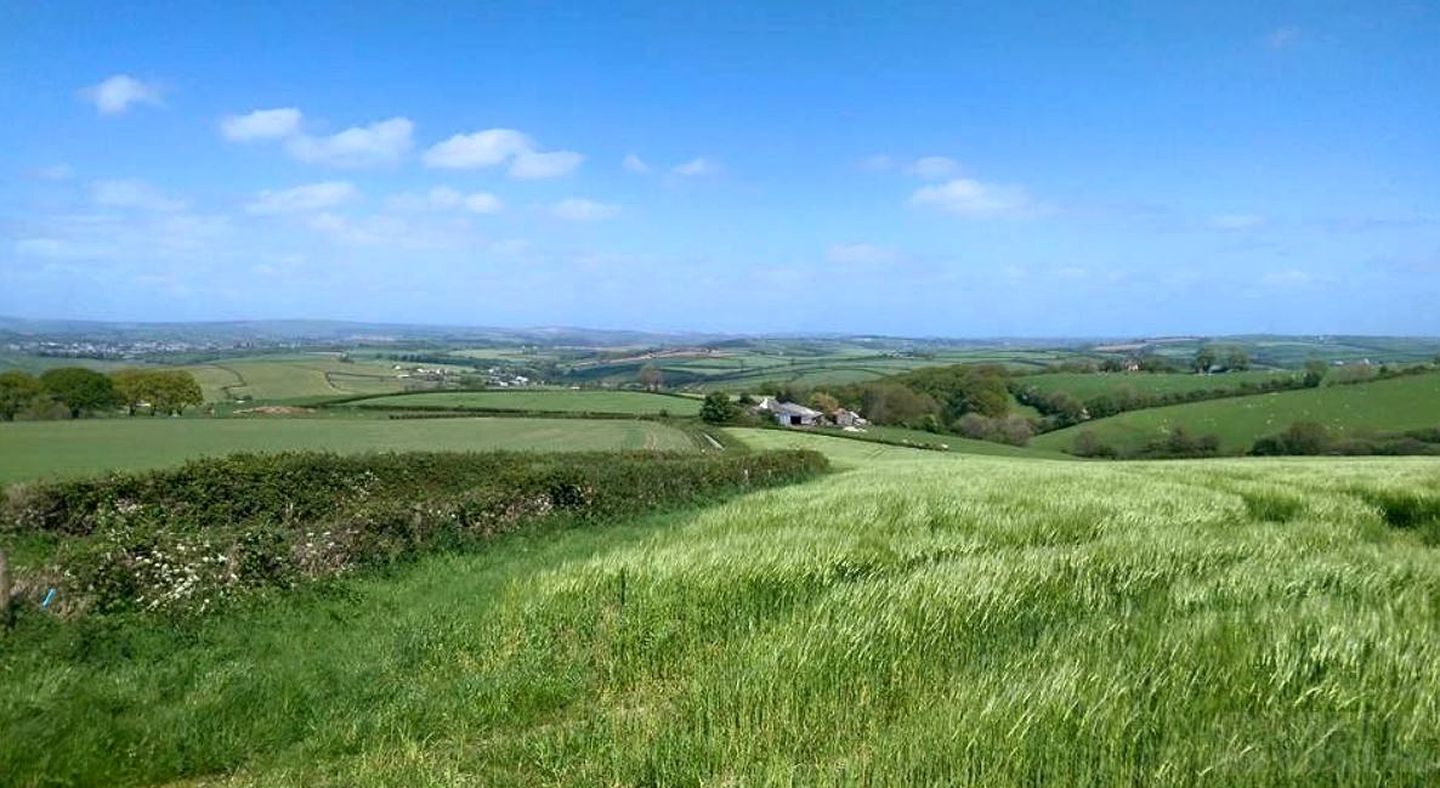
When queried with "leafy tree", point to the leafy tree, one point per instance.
{"points": [[1300, 438], [1088, 444], [132, 387], [718, 409], [79, 389], [17, 391], [1204, 359], [1315, 370], [973, 425], [824, 402], [173, 390], [1237, 360], [650, 377], [1102, 405]]}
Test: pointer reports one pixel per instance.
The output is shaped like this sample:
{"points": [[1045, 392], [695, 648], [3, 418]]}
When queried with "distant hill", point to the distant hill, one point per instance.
{"points": [[1395, 404]]}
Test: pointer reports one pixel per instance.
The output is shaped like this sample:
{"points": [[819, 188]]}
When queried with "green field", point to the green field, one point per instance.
{"points": [[1084, 386], [1396, 404], [635, 403], [831, 442], [922, 619], [35, 449]]}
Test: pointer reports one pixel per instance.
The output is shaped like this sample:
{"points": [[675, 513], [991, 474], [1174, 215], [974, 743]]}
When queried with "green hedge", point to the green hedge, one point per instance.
{"points": [[183, 539]]}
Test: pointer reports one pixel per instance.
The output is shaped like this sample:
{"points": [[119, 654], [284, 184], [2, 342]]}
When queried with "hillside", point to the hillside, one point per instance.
{"points": [[541, 400], [1396, 404], [1086, 385], [924, 619]]}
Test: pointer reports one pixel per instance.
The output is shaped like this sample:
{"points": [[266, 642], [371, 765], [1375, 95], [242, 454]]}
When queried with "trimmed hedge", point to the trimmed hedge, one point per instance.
{"points": [[183, 539]]}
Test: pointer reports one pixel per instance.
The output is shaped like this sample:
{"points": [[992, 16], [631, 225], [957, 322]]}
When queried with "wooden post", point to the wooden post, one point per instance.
{"points": [[5, 619]]}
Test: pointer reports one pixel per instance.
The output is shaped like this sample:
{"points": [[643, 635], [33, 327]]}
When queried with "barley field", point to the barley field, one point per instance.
{"points": [[920, 618]]}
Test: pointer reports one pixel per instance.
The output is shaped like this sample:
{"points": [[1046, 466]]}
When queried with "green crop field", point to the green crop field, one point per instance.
{"points": [[1396, 404], [922, 619], [269, 379], [61, 448], [1085, 386], [636, 403], [847, 450]]}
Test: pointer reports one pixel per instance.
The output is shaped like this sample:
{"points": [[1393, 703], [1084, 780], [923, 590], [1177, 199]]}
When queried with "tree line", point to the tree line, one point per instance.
{"points": [[77, 391]]}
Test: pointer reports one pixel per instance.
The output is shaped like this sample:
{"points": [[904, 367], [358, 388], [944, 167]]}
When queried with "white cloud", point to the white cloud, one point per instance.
{"points": [[494, 147], [116, 94], [633, 163], [531, 165], [967, 197], [481, 149], [382, 142], [308, 198], [482, 202], [576, 209], [1283, 38], [262, 124], [133, 194], [696, 167], [934, 167], [445, 198], [861, 254], [1236, 221]]}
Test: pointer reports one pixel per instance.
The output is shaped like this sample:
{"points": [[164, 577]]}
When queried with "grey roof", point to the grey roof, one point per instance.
{"points": [[791, 409]]}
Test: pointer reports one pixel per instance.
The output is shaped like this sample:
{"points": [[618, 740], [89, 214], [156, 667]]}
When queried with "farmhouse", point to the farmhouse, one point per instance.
{"points": [[788, 414]]}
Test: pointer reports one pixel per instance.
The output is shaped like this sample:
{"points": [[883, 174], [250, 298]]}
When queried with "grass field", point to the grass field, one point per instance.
{"points": [[60, 448], [925, 619], [1395, 404], [834, 446], [637, 403], [1085, 386]]}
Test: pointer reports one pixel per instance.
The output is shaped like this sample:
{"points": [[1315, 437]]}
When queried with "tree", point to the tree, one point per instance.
{"points": [[1204, 359], [1300, 438], [718, 409], [79, 389], [824, 402], [17, 391], [1315, 370], [1088, 444], [1237, 360], [650, 377], [132, 387], [172, 390]]}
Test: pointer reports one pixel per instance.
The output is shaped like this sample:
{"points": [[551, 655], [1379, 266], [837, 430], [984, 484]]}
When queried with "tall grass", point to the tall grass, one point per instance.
{"points": [[932, 621]]}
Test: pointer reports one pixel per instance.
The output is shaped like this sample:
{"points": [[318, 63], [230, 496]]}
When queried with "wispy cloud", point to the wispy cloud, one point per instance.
{"points": [[1236, 221], [118, 93], [133, 194], [578, 209], [934, 167], [696, 167], [633, 163], [495, 147], [445, 198], [307, 198], [1283, 37], [382, 142], [974, 199], [262, 124]]}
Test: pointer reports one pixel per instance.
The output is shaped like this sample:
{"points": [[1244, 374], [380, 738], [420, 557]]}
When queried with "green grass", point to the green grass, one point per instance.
{"points": [[833, 445], [296, 377], [637, 403], [925, 620], [36, 449], [1084, 386], [1396, 404]]}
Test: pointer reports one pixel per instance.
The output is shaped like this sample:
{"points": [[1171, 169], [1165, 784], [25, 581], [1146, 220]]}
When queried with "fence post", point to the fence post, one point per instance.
{"points": [[5, 619]]}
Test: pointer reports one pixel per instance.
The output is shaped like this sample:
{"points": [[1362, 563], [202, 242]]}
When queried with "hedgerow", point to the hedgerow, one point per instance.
{"points": [[183, 539]]}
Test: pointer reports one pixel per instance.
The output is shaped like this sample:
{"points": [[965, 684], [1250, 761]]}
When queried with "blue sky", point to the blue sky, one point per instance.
{"points": [[957, 169]]}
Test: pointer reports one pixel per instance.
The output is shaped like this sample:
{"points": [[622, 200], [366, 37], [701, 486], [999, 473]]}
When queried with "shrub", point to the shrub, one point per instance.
{"points": [[182, 539]]}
